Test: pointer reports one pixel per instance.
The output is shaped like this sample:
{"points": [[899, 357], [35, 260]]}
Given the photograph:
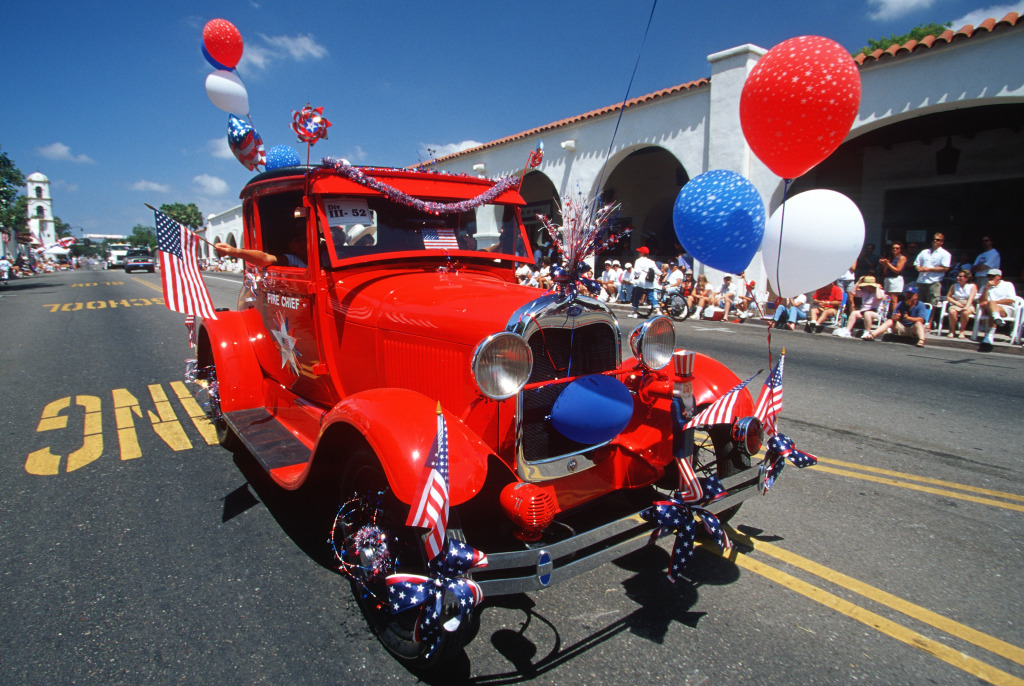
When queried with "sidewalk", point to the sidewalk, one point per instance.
{"points": [[1002, 344]]}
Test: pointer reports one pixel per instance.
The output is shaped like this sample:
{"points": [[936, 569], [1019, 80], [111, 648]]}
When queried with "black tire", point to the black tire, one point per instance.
{"points": [[364, 480], [225, 435], [676, 308], [725, 457]]}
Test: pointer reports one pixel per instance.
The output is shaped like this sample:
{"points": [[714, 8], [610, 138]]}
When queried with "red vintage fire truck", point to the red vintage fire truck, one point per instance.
{"points": [[402, 305]]}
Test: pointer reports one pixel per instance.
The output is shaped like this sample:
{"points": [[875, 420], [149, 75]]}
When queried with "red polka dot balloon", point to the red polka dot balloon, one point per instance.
{"points": [[223, 42], [798, 103]]}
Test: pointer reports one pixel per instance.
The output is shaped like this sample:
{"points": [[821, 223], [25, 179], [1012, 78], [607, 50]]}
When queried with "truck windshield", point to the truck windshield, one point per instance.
{"points": [[370, 226]]}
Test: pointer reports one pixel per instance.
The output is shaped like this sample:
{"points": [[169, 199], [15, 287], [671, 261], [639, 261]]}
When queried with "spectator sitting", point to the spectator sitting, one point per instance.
{"points": [[609, 281], [791, 313], [723, 297], [996, 301], [960, 303], [825, 303], [871, 295], [909, 316], [702, 296]]}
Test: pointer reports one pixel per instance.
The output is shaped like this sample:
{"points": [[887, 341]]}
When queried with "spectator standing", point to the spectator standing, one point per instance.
{"points": [[909, 316], [626, 284], [645, 278], [870, 294], [932, 264], [960, 303], [891, 269], [988, 259], [825, 303], [867, 262], [996, 301]]}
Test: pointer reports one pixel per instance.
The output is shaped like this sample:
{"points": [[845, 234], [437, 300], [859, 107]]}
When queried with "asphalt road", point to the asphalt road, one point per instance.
{"points": [[135, 551]]}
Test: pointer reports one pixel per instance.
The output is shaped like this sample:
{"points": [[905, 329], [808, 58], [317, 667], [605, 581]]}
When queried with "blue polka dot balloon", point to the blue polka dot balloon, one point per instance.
{"points": [[282, 156], [719, 219]]}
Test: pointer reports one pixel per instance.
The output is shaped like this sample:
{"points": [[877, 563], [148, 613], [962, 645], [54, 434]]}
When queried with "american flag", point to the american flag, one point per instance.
{"points": [[190, 324], [721, 410], [769, 403], [184, 289], [440, 239], [431, 511]]}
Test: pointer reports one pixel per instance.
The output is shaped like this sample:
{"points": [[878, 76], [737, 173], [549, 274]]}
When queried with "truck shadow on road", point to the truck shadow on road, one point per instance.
{"points": [[661, 604]]}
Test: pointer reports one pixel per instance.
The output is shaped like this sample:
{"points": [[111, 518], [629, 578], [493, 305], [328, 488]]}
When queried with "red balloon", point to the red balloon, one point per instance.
{"points": [[798, 103], [223, 41]]}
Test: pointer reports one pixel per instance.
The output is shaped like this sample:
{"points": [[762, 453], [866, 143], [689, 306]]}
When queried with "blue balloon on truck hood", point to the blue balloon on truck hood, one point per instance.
{"points": [[593, 409]]}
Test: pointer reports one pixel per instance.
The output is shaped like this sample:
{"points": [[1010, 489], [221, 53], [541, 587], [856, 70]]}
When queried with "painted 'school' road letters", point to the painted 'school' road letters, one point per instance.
{"points": [[104, 304], [162, 418]]}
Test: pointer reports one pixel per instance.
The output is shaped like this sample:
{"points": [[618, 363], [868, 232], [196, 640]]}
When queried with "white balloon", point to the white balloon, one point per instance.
{"points": [[227, 92], [810, 241]]}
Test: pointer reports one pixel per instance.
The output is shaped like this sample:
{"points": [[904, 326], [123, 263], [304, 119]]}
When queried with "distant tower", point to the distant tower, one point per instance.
{"points": [[40, 208]]}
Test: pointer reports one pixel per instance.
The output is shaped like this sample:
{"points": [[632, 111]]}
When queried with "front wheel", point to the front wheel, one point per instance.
{"points": [[676, 308], [371, 512]]}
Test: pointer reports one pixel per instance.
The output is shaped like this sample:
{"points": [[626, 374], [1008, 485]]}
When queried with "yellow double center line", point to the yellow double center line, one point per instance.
{"points": [[918, 483]]}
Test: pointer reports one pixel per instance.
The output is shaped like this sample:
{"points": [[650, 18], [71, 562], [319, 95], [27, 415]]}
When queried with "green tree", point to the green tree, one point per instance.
{"points": [[916, 33], [186, 215], [61, 228], [13, 214], [143, 236]]}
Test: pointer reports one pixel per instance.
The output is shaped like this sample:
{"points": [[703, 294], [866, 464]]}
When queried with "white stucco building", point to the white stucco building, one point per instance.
{"points": [[40, 208]]}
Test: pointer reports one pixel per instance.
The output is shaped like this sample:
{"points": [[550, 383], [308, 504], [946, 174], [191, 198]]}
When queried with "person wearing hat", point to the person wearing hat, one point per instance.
{"points": [[645, 275], [626, 283], [997, 302], [910, 316], [870, 294], [960, 303]]}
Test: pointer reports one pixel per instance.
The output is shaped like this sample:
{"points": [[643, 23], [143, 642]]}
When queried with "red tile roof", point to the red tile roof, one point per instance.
{"points": [[581, 117], [948, 36], [989, 25]]}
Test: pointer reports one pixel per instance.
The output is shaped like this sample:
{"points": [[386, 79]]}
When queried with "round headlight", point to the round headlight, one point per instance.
{"points": [[502, 365], [653, 342]]}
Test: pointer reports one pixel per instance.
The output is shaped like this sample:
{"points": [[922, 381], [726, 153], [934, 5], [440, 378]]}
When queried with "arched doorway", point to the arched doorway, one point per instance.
{"points": [[541, 198], [646, 184]]}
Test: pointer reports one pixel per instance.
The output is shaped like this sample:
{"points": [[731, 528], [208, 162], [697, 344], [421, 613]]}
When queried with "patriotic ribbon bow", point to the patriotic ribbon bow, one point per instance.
{"points": [[780, 448], [406, 591], [309, 124], [677, 514]]}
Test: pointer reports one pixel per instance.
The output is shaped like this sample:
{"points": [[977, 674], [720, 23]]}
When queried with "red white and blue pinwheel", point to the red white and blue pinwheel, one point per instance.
{"points": [[780, 448], [309, 124], [245, 143], [677, 515], [408, 591]]}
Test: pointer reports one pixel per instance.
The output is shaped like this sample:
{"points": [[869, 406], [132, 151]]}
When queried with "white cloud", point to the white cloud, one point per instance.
{"points": [[299, 48], [219, 148], [996, 12], [150, 186], [210, 186], [442, 149], [884, 10], [59, 151]]}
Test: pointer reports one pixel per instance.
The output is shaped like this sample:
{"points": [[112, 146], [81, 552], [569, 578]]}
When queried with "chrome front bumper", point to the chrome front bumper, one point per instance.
{"points": [[530, 570]]}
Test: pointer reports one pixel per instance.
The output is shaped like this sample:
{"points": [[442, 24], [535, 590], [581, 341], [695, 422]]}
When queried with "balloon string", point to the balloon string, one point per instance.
{"points": [[625, 98], [778, 259]]}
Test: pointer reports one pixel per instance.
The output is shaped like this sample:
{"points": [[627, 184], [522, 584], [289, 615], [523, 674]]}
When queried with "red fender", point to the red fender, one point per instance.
{"points": [[401, 425], [238, 370], [711, 379]]}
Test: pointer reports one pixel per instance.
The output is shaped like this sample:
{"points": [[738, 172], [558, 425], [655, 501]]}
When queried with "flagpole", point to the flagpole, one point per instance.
{"points": [[184, 227]]}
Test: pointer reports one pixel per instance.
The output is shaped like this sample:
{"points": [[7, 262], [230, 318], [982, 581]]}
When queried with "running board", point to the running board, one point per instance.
{"points": [[273, 446]]}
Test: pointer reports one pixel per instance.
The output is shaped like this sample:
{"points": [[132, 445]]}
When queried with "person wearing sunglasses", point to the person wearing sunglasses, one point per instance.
{"points": [[996, 301]]}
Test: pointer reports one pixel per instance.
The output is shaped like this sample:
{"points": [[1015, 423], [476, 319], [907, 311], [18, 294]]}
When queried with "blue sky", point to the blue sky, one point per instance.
{"points": [[108, 98]]}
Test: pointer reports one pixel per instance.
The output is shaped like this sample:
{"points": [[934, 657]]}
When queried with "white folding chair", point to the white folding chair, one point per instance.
{"points": [[1013, 318]]}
